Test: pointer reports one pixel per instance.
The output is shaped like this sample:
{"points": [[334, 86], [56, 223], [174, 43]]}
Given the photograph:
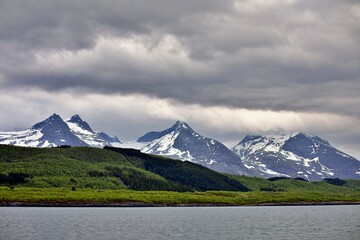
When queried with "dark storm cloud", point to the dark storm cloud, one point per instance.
{"points": [[278, 55], [75, 24]]}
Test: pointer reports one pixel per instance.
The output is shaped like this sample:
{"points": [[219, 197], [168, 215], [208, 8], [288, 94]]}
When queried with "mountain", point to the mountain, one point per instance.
{"points": [[296, 155], [50, 132], [54, 131], [83, 131], [181, 142]]}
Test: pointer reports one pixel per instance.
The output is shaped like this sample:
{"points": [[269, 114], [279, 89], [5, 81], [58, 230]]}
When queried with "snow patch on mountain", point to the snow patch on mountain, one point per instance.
{"points": [[163, 145], [29, 137], [77, 129]]}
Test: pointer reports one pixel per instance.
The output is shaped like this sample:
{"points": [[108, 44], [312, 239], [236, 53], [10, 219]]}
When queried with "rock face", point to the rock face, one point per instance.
{"points": [[181, 142], [54, 131], [295, 155]]}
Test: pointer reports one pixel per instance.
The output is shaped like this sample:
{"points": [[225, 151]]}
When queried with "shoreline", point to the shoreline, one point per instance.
{"points": [[139, 204]]}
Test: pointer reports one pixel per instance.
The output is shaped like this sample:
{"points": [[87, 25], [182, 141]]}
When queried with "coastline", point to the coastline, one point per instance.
{"points": [[139, 204]]}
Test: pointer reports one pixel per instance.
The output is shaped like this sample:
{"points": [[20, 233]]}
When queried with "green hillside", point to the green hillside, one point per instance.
{"points": [[83, 167], [118, 176]]}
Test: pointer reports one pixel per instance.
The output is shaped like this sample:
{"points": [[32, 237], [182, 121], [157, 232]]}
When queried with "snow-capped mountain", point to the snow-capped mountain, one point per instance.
{"points": [[83, 131], [182, 142], [295, 155], [54, 131]]}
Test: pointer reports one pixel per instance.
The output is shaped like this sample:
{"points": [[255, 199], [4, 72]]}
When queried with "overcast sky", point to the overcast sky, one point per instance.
{"points": [[227, 68]]}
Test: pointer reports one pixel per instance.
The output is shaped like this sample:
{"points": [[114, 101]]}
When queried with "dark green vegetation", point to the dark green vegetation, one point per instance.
{"points": [[113, 176], [83, 167]]}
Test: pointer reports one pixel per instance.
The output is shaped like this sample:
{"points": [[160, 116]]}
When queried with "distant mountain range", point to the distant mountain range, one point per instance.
{"points": [[295, 155]]}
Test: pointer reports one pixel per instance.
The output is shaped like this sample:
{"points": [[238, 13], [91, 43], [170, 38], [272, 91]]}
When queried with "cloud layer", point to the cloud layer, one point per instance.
{"points": [[241, 66]]}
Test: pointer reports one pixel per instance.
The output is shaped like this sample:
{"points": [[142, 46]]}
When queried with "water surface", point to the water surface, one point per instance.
{"points": [[276, 222]]}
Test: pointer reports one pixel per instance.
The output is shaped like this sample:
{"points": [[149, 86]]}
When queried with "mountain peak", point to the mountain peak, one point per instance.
{"points": [[84, 132], [310, 136], [180, 125], [150, 136], [53, 119], [55, 115], [75, 118], [81, 123]]}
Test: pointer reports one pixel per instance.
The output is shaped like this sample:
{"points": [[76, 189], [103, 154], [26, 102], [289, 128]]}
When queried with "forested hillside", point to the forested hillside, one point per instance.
{"points": [[110, 168]]}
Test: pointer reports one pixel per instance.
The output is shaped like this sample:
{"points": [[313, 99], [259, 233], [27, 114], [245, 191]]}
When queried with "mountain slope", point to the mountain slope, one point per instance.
{"points": [[295, 155], [182, 142]]}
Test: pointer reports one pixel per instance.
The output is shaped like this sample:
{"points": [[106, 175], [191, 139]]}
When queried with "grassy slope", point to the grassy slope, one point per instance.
{"points": [[105, 176], [105, 169]]}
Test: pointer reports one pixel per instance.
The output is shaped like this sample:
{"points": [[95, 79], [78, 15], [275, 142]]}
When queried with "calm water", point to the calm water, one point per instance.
{"points": [[296, 222]]}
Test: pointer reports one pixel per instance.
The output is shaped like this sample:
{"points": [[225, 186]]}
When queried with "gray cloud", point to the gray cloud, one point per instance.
{"points": [[254, 54], [276, 55]]}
